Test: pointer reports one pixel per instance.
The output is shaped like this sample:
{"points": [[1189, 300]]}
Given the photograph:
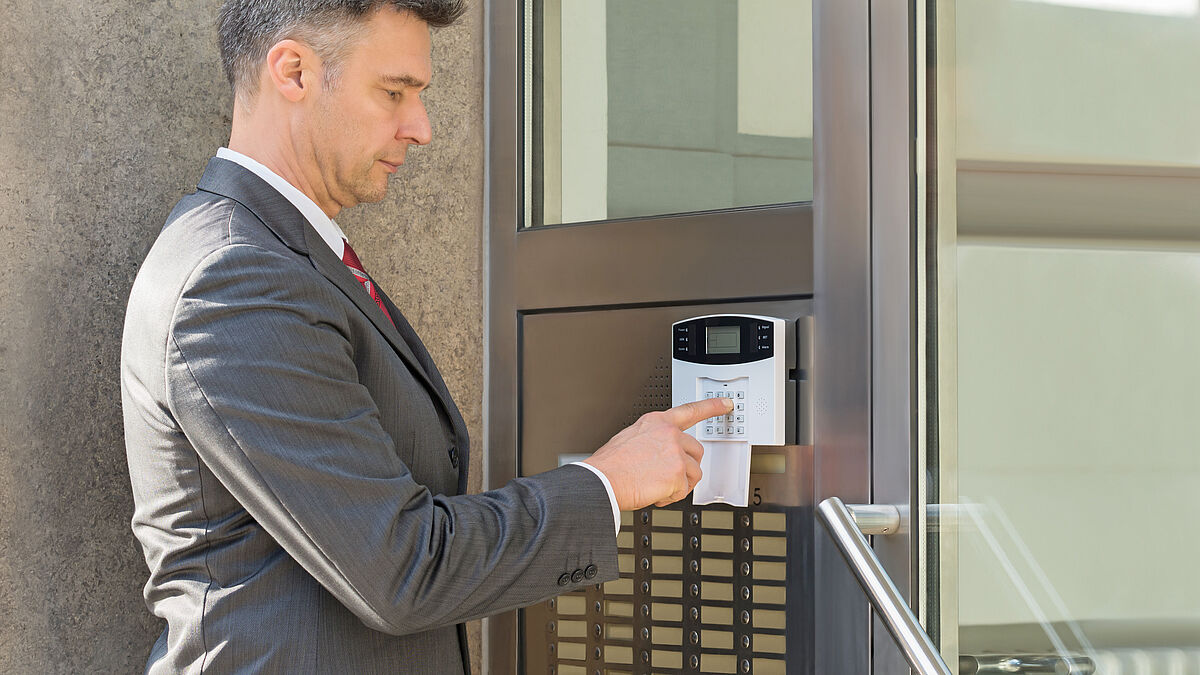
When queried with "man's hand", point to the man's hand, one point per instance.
{"points": [[653, 461]]}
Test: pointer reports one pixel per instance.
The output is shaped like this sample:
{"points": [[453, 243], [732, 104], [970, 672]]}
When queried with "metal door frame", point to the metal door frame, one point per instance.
{"points": [[870, 297], [865, 281]]}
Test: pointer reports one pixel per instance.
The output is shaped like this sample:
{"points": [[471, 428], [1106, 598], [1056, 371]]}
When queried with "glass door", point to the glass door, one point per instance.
{"points": [[1062, 318]]}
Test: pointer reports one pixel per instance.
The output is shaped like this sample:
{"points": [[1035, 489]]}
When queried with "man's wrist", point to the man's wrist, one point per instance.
{"points": [[612, 496]]}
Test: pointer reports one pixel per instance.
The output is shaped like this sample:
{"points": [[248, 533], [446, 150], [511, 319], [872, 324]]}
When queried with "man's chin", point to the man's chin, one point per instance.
{"points": [[375, 197], [372, 194]]}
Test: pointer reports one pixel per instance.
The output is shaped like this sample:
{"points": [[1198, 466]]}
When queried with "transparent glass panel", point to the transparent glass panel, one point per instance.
{"points": [[1069, 497], [647, 107]]}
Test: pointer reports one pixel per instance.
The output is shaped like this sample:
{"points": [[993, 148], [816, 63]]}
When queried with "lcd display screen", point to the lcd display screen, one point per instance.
{"points": [[723, 339]]}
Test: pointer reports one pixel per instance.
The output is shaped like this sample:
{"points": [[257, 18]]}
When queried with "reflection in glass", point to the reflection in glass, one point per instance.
{"points": [[647, 107], [1078, 315]]}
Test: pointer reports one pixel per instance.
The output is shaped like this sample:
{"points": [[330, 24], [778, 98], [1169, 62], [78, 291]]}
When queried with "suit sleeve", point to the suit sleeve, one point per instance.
{"points": [[263, 383]]}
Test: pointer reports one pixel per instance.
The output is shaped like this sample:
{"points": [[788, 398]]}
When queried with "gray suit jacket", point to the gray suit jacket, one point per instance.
{"points": [[298, 466]]}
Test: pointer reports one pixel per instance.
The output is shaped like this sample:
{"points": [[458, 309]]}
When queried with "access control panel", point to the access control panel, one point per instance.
{"points": [[704, 589], [742, 358]]}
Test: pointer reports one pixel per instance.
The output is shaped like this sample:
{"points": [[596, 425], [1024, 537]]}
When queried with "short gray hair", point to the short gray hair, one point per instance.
{"points": [[249, 28]]}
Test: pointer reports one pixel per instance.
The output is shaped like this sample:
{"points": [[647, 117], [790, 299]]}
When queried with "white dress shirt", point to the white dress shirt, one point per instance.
{"points": [[333, 235]]}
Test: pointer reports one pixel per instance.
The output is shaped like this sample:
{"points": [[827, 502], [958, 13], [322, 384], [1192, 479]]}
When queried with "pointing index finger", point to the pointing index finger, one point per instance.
{"points": [[689, 414]]}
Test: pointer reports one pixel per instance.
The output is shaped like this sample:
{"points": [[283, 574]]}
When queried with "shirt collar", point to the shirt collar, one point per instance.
{"points": [[330, 233]]}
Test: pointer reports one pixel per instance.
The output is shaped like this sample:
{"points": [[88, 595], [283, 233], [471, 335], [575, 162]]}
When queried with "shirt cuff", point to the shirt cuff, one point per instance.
{"points": [[612, 497]]}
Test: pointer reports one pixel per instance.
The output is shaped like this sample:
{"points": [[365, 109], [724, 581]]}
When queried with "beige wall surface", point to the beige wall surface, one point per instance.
{"points": [[108, 113]]}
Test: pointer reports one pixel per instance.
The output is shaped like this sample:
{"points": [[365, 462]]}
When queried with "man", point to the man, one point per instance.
{"points": [[298, 466]]}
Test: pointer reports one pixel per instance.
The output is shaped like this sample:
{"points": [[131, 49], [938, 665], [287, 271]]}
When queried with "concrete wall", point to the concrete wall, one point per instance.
{"points": [[108, 113]]}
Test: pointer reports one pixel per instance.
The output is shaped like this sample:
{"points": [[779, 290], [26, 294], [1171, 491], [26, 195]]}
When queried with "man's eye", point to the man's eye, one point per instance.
{"points": [[393, 95]]}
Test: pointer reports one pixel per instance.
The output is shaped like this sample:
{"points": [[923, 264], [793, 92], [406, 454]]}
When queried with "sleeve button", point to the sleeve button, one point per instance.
{"points": [[577, 576], [590, 571], [564, 579]]}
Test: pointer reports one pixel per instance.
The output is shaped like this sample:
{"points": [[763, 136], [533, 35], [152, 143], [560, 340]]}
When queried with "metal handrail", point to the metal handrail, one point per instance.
{"points": [[919, 650]]}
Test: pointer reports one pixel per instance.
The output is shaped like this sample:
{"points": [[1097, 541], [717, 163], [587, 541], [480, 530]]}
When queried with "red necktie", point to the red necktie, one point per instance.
{"points": [[351, 259]]}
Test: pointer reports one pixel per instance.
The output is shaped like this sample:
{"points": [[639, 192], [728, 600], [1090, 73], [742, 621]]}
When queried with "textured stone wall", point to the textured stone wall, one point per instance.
{"points": [[108, 113]]}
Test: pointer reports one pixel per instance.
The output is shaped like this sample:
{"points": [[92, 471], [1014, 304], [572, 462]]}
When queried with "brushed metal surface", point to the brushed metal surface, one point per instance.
{"points": [[842, 422], [742, 253], [874, 519], [501, 212], [894, 316]]}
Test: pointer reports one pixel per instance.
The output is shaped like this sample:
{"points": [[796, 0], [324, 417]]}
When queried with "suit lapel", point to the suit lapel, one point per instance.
{"points": [[439, 385], [231, 180]]}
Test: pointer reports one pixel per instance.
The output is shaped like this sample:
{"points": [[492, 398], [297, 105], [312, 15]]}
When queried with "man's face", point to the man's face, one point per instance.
{"points": [[360, 129]]}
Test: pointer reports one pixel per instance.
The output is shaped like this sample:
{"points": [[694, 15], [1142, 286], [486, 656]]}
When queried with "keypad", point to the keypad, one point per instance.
{"points": [[729, 425]]}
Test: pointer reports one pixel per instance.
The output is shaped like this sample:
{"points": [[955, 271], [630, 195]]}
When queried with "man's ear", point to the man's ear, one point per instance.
{"points": [[291, 69]]}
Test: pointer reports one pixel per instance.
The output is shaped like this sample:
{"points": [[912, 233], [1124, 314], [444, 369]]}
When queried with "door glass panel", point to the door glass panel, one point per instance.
{"points": [[1071, 487], [646, 107]]}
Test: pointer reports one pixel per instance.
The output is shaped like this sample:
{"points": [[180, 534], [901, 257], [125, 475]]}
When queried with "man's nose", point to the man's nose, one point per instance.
{"points": [[415, 127]]}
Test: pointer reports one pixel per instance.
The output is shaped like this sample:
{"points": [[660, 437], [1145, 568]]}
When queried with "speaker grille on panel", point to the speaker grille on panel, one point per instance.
{"points": [[655, 394], [760, 406]]}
